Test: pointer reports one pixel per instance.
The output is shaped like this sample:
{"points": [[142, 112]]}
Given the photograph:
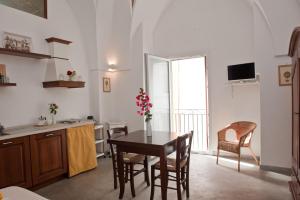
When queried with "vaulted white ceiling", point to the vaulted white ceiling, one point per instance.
{"points": [[281, 16], [85, 13], [149, 13]]}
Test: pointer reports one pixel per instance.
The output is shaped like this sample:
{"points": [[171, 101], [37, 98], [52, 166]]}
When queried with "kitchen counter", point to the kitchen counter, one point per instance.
{"points": [[20, 131], [20, 193]]}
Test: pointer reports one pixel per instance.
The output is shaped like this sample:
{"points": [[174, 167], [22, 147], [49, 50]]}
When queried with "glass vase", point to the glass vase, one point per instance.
{"points": [[53, 119], [149, 128]]}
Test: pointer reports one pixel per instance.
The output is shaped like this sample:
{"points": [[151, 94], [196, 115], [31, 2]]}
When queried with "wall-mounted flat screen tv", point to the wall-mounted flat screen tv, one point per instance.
{"points": [[241, 71]]}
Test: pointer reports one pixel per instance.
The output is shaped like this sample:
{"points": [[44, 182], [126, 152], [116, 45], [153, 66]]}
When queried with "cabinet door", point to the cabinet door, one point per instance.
{"points": [[15, 164], [48, 155]]}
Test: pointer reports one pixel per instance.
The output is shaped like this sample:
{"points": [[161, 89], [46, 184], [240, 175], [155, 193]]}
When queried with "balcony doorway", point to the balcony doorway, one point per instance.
{"points": [[189, 100], [178, 89]]}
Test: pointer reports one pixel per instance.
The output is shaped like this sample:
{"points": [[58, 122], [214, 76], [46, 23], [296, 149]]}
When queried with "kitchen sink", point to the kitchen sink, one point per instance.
{"points": [[70, 121]]}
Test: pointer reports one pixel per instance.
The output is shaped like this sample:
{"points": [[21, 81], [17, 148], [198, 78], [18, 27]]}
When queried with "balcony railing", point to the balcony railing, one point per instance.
{"points": [[185, 120]]}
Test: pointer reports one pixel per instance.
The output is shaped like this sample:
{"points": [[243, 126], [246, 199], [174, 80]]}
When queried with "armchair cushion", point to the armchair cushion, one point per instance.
{"points": [[229, 146]]}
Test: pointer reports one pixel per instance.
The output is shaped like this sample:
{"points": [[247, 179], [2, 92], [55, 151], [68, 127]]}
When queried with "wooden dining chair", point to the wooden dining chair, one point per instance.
{"points": [[130, 160], [243, 131], [180, 166]]}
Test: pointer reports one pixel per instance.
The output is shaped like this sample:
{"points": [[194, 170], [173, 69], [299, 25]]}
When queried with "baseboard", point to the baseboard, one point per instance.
{"points": [[226, 154], [279, 170]]}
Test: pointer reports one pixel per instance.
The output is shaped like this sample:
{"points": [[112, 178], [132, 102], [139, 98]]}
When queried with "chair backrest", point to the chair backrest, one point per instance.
{"points": [[183, 149], [243, 128], [113, 133]]}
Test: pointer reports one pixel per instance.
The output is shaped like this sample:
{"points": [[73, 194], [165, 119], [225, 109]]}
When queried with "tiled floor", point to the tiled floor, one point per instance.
{"points": [[208, 182]]}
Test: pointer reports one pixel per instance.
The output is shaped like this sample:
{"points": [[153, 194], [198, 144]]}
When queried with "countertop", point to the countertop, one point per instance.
{"points": [[21, 131], [14, 192]]}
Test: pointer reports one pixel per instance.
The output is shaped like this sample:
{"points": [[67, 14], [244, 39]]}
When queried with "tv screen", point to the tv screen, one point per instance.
{"points": [[241, 71]]}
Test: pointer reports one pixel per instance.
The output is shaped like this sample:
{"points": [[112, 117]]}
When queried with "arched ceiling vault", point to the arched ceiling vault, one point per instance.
{"points": [[85, 14], [279, 24], [149, 14]]}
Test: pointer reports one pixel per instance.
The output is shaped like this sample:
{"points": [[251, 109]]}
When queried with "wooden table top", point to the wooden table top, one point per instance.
{"points": [[158, 138]]}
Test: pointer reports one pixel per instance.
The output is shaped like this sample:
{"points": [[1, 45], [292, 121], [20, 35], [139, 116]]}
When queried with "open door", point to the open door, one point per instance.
{"points": [[158, 87]]}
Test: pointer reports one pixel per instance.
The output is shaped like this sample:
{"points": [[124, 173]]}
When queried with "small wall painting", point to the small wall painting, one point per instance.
{"points": [[285, 75], [106, 84]]}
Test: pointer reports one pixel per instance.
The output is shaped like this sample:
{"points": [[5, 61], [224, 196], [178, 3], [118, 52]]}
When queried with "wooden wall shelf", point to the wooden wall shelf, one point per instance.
{"points": [[65, 84], [58, 40], [7, 84], [24, 54]]}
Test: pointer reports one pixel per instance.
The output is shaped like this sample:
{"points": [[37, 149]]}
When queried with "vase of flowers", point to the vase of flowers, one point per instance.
{"points": [[71, 74], [53, 107], [144, 105]]}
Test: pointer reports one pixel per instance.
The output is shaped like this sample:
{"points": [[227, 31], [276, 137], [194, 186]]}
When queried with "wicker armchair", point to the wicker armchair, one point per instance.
{"points": [[244, 132]]}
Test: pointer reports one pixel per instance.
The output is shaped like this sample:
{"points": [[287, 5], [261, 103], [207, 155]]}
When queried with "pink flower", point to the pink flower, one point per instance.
{"points": [[144, 105]]}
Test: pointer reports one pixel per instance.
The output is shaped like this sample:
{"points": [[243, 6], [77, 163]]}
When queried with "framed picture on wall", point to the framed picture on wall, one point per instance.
{"points": [[285, 75], [35, 7], [16, 42], [106, 84]]}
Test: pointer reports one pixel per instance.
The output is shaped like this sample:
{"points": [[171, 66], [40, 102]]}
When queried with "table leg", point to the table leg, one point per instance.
{"points": [[163, 174], [120, 162]]}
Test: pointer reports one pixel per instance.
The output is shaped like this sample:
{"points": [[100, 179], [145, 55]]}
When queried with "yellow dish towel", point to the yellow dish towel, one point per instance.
{"points": [[1, 196], [81, 149]]}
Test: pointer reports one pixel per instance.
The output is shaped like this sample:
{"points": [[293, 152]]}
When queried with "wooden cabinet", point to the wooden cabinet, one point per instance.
{"points": [[15, 163], [33, 160], [48, 156], [294, 52]]}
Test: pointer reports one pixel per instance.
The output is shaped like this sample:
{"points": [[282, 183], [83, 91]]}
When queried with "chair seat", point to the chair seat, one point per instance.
{"points": [[133, 158], [230, 146], [171, 164]]}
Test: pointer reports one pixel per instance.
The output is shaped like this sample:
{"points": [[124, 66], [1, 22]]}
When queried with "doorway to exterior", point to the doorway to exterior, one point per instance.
{"points": [[178, 89]]}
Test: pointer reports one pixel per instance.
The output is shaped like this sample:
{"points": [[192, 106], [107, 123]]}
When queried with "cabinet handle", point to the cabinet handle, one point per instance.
{"points": [[7, 143], [50, 134]]}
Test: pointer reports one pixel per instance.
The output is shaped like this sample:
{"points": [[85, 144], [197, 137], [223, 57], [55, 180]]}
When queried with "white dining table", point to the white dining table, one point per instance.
{"points": [[18, 193]]}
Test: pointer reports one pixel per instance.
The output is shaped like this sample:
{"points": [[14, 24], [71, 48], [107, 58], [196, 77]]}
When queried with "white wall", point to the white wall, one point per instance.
{"points": [[229, 32], [26, 102], [225, 39], [114, 26], [272, 39], [85, 17], [281, 22], [226, 32]]}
